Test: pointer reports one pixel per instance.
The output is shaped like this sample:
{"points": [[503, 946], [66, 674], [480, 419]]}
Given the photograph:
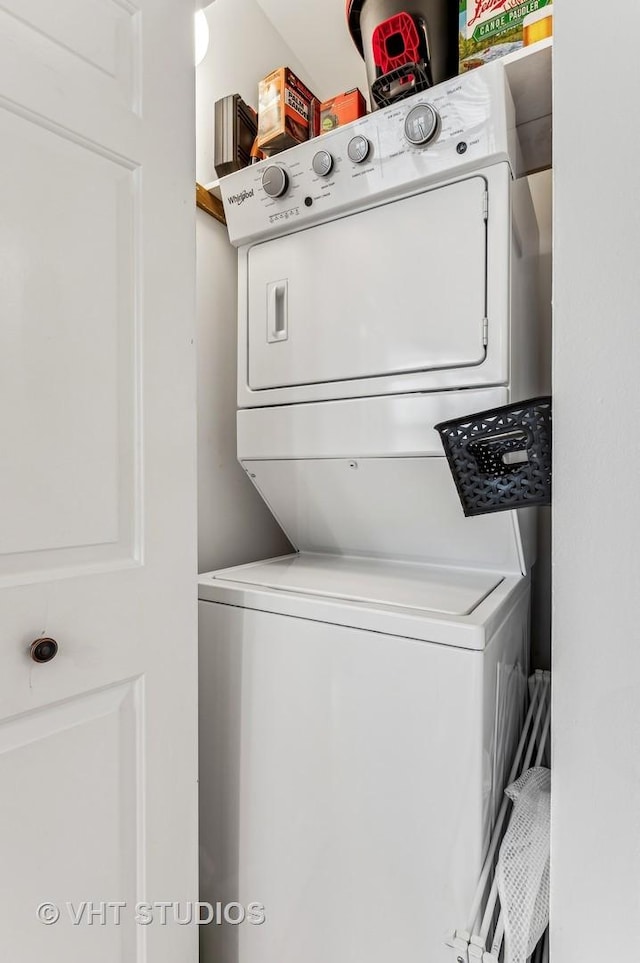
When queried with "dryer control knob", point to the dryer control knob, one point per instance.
{"points": [[275, 181], [322, 163], [421, 125], [358, 149]]}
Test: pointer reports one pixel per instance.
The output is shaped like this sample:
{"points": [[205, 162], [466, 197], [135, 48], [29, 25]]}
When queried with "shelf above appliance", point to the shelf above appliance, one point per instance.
{"points": [[529, 73], [214, 189], [208, 201]]}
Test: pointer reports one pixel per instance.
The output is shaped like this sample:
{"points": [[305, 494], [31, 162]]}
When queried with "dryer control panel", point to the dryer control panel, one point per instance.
{"points": [[444, 132]]}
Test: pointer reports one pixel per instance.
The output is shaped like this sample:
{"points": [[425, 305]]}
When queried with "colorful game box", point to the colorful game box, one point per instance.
{"points": [[492, 28]]}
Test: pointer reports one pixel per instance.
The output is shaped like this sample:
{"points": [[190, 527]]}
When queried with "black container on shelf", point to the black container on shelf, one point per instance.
{"points": [[437, 22], [500, 459], [235, 126]]}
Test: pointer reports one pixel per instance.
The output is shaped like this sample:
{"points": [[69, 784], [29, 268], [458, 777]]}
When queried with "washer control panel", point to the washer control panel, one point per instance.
{"points": [[461, 125]]}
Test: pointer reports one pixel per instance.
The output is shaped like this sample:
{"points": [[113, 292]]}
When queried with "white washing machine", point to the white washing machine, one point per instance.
{"points": [[355, 696], [350, 759]]}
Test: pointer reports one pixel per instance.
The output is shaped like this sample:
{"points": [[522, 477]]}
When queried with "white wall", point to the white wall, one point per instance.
{"points": [[244, 47], [318, 33], [234, 524], [596, 559]]}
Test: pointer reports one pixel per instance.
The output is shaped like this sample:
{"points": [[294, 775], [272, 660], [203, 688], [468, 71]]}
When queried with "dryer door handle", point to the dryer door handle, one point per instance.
{"points": [[277, 311]]}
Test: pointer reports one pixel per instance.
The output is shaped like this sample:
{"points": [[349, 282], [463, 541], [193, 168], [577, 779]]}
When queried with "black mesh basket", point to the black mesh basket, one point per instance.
{"points": [[501, 459]]}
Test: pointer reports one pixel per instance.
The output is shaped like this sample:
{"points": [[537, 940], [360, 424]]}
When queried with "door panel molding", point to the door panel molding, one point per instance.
{"points": [[70, 359]]}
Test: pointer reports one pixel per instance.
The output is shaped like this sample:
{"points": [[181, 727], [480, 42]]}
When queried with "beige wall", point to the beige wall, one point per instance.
{"points": [[234, 524], [244, 47], [595, 870]]}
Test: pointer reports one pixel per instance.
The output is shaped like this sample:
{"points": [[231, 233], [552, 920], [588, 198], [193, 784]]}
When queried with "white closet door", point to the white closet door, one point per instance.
{"points": [[97, 475]]}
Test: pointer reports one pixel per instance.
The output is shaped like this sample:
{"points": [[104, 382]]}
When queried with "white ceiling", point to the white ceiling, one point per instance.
{"points": [[317, 32]]}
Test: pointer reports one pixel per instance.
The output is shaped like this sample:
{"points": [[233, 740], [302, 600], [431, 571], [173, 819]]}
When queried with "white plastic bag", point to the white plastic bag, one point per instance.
{"points": [[523, 865]]}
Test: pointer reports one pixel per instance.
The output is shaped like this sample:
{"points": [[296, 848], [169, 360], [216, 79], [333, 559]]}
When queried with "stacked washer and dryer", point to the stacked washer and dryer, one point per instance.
{"points": [[352, 693]]}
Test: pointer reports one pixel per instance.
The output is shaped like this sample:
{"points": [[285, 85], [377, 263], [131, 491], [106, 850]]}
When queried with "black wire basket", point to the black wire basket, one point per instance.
{"points": [[501, 459]]}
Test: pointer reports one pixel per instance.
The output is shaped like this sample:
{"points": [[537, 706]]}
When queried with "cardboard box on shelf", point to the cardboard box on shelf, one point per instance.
{"points": [[284, 108], [341, 110], [492, 28]]}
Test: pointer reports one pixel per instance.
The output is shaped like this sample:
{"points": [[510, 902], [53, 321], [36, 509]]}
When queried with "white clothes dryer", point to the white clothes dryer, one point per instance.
{"points": [[355, 696]]}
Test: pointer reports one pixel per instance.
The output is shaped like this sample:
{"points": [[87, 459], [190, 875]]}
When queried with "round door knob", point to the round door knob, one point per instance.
{"points": [[322, 163], [275, 181], [358, 149], [43, 650], [421, 125]]}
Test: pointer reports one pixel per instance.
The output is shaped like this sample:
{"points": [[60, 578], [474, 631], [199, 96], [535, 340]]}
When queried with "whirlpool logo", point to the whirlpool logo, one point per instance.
{"points": [[240, 198]]}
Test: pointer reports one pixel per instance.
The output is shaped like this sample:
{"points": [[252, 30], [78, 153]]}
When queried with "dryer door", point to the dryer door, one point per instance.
{"points": [[395, 289]]}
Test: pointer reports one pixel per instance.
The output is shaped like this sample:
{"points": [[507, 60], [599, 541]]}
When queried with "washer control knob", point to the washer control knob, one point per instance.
{"points": [[421, 125], [275, 181], [322, 163], [358, 149]]}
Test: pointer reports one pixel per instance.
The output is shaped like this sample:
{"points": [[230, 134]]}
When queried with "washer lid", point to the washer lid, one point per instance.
{"points": [[406, 585]]}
